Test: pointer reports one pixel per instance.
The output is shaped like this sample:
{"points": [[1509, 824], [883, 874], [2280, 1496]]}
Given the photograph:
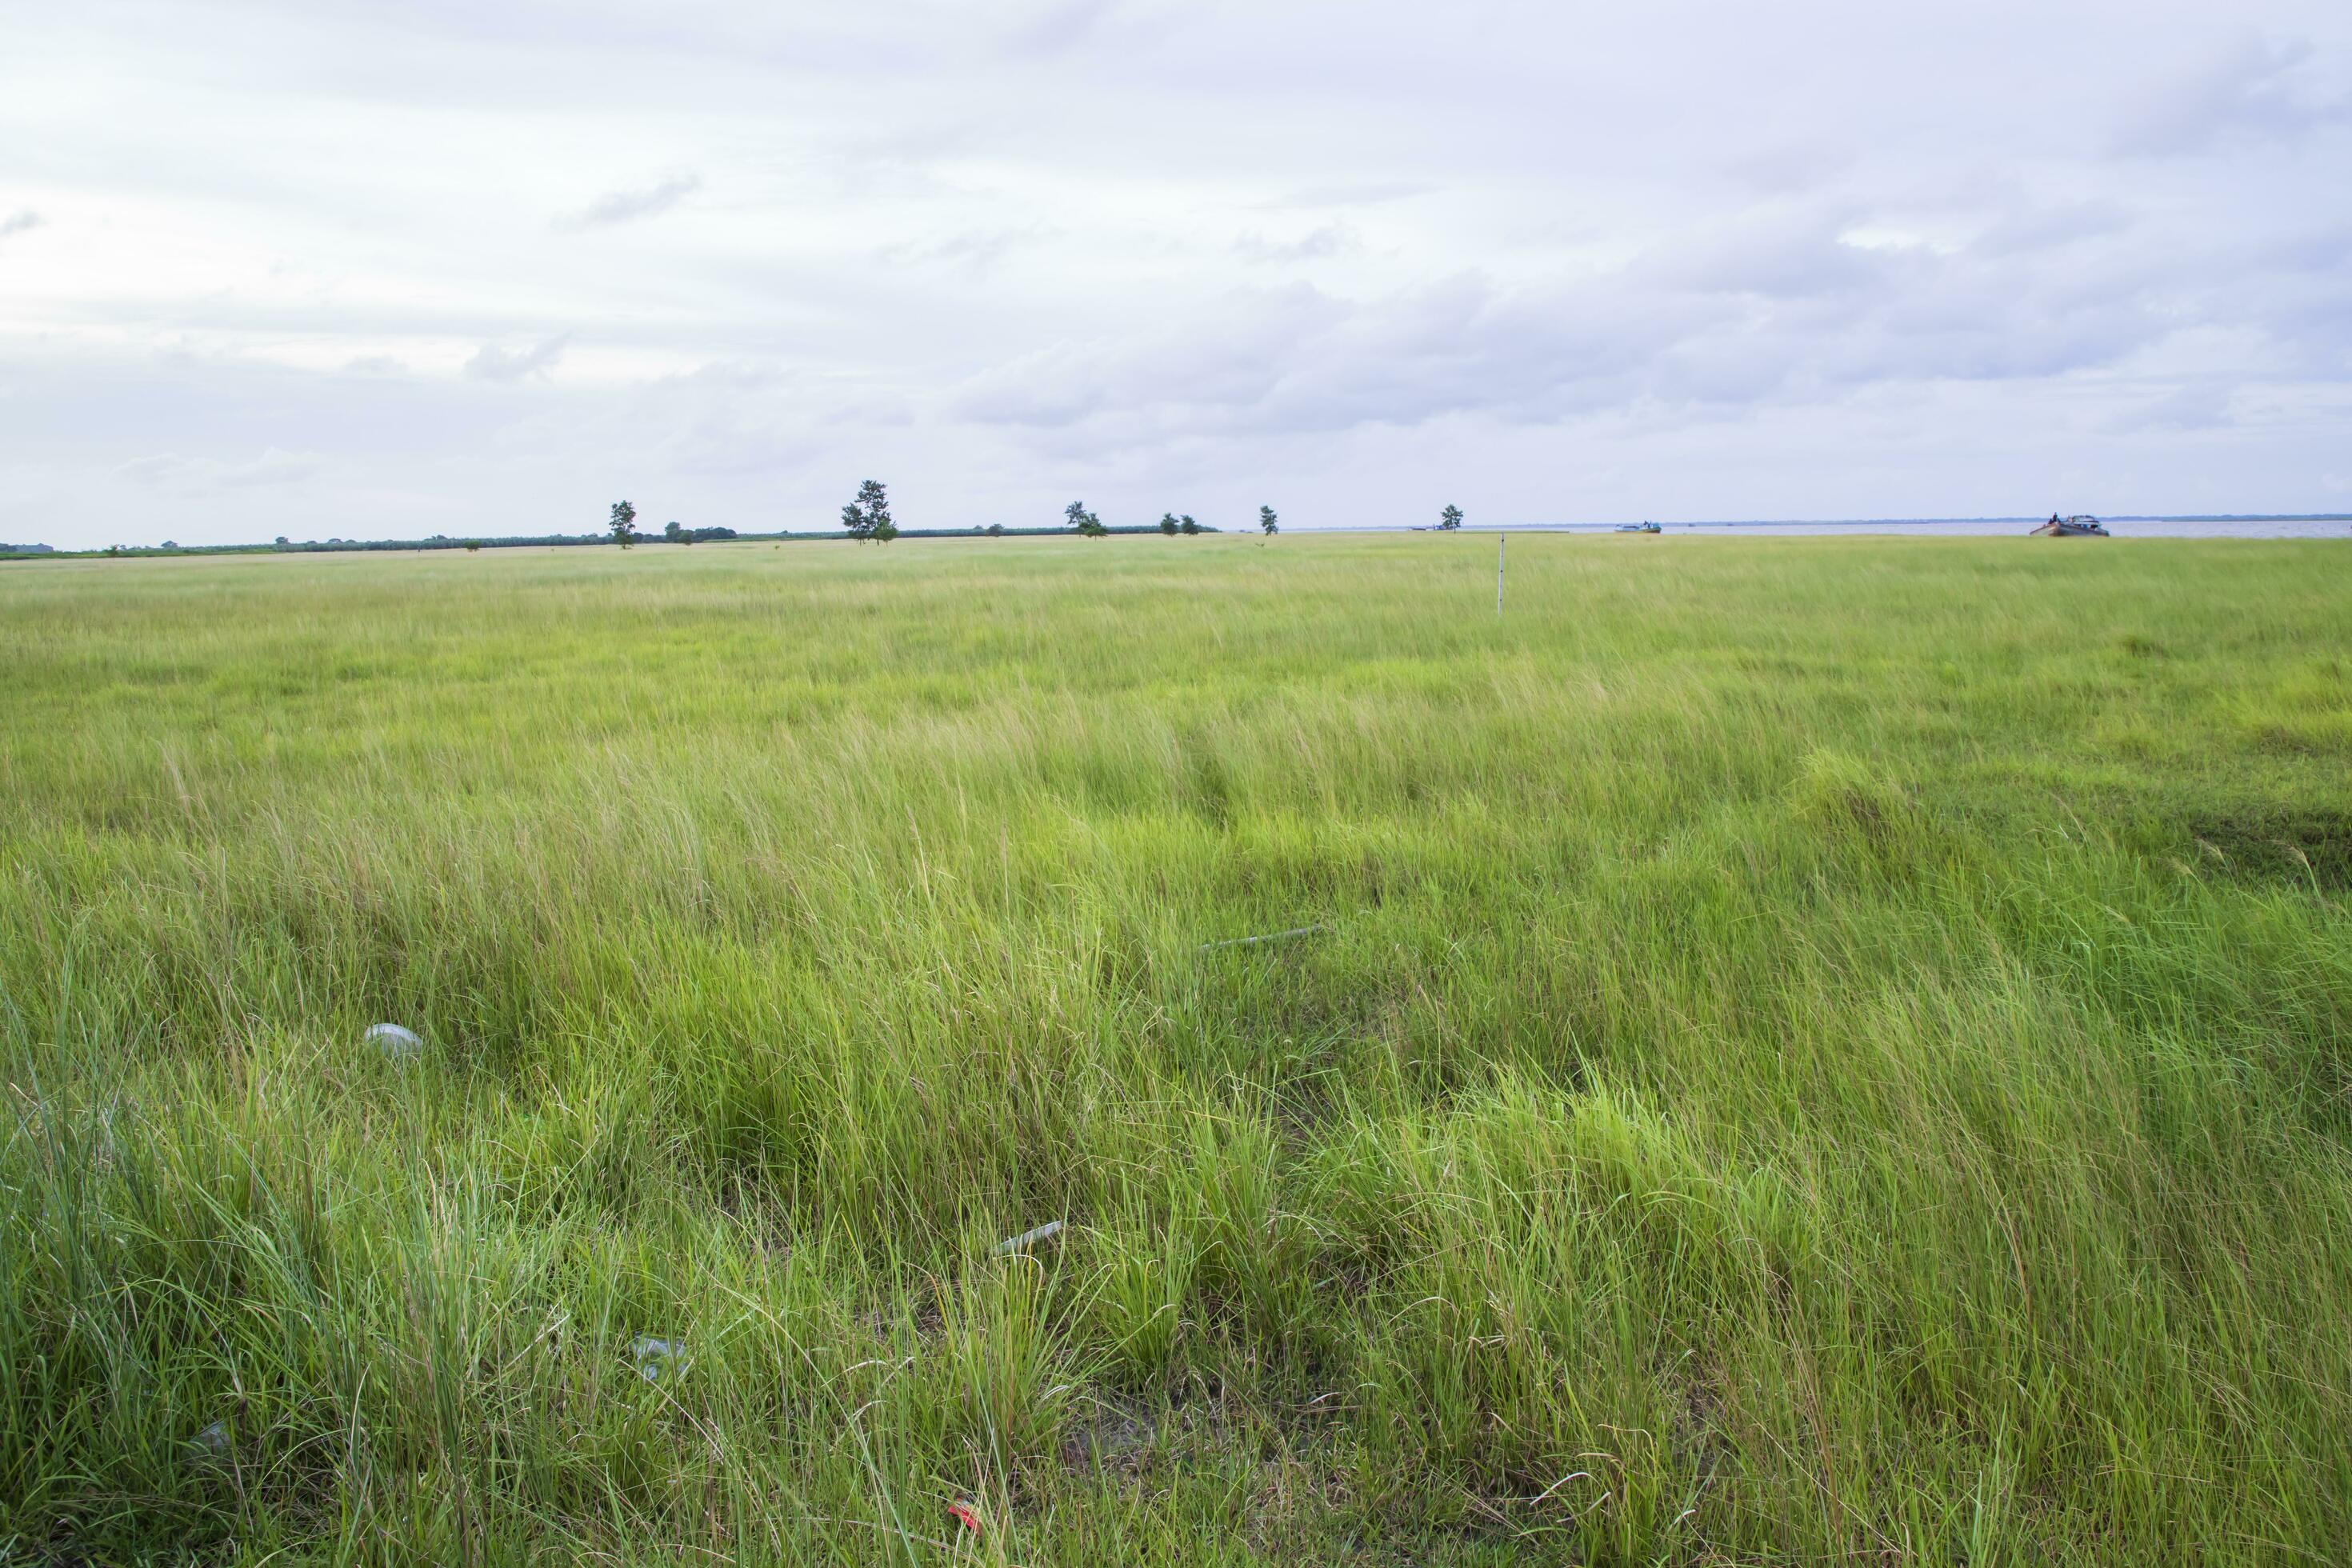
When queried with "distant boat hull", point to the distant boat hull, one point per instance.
{"points": [[2072, 528]]}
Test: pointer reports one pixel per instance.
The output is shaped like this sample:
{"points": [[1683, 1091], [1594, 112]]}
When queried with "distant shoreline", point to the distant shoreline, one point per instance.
{"points": [[2191, 525], [1820, 524], [2240, 525]]}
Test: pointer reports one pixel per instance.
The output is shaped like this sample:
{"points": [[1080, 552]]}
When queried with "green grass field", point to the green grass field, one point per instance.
{"points": [[1817, 1050]]}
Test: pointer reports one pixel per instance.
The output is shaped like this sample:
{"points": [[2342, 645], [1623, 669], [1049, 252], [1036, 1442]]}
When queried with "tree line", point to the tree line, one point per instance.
{"points": [[866, 517]]}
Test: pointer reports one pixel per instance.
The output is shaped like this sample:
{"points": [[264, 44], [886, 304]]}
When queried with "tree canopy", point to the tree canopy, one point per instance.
{"points": [[868, 517]]}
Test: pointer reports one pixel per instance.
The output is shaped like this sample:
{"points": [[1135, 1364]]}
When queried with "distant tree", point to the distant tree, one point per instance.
{"points": [[625, 524], [169, 544], [281, 539], [1168, 523], [1451, 518], [1085, 522], [1187, 525], [996, 530], [1265, 519], [868, 517], [672, 530]]}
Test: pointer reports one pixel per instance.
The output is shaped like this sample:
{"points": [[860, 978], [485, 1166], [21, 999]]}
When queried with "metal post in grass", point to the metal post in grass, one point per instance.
{"points": [[1500, 541]]}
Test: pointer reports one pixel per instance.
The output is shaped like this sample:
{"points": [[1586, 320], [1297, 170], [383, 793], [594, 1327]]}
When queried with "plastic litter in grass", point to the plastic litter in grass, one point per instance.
{"points": [[658, 1359], [1028, 1238], [394, 1041], [965, 1515], [212, 1443]]}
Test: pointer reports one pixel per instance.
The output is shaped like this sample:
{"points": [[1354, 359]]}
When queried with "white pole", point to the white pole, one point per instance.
{"points": [[1499, 542]]}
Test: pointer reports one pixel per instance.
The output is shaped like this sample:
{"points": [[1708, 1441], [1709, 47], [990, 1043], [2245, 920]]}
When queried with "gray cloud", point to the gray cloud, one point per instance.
{"points": [[22, 221], [1773, 254], [2048, 227], [491, 363], [627, 206], [2253, 90], [1758, 313]]}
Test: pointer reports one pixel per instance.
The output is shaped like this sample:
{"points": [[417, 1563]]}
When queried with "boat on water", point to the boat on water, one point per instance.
{"points": [[2082, 525], [1638, 528]]}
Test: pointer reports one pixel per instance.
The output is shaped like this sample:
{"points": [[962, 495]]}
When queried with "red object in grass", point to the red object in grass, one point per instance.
{"points": [[966, 1515]]}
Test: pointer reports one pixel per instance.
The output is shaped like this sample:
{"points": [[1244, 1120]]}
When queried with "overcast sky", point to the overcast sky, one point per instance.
{"points": [[339, 269]]}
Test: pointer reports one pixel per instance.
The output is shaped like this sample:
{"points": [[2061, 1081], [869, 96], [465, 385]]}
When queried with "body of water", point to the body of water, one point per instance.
{"points": [[2121, 527]]}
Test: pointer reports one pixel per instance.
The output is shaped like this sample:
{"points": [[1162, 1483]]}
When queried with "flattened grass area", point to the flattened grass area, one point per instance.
{"points": [[1817, 1049]]}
